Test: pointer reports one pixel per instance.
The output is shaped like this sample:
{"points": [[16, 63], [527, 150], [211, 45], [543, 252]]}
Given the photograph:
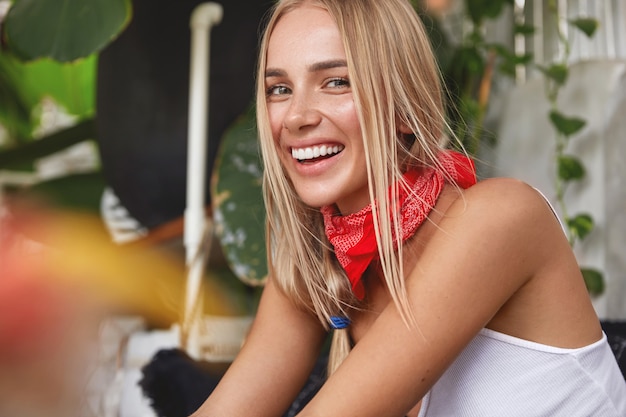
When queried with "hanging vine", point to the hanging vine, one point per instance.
{"points": [[569, 168]]}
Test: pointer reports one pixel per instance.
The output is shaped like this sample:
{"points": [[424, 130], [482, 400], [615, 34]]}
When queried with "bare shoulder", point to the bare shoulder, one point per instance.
{"points": [[502, 184], [506, 230], [505, 193], [501, 222], [504, 202]]}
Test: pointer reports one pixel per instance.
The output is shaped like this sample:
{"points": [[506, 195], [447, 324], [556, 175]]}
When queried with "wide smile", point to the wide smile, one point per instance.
{"points": [[314, 153]]}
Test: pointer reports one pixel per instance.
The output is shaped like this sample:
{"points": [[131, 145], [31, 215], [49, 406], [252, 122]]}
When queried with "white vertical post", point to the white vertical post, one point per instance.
{"points": [[203, 17]]}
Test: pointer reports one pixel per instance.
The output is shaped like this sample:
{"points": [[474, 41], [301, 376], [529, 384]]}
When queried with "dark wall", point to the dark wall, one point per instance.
{"points": [[142, 99]]}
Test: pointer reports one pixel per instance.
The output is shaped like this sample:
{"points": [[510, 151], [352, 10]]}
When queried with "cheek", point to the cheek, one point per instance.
{"points": [[349, 119]]}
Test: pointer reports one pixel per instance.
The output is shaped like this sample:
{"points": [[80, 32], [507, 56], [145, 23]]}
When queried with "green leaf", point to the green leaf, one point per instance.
{"points": [[556, 72], [71, 85], [506, 53], [237, 198], [566, 125], [508, 59], [587, 25], [581, 225], [594, 280], [15, 106], [23, 86], [479, 10], [570, 168], [64, 30], [523, 29], [524, 58]]}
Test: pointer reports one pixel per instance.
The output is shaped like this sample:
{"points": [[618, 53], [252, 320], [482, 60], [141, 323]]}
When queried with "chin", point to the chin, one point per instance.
{"points": [[315, 201]]}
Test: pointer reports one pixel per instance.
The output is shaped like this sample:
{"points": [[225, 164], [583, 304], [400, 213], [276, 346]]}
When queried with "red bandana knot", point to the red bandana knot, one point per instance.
{"points": [[353, 236]]}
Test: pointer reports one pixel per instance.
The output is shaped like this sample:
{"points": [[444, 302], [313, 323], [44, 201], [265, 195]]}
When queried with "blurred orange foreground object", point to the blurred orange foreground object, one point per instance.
{"points": [[29, 308]]}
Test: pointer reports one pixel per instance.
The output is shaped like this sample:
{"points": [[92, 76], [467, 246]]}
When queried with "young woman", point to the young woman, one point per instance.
{"points": [[447, 298]]}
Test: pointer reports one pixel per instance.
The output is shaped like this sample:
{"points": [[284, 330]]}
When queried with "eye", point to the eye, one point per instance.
{"points": [[277, 90], [338, 82]]}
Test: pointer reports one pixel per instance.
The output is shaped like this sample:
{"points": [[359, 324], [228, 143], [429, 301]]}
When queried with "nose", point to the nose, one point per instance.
{"points": [[302, 113]]}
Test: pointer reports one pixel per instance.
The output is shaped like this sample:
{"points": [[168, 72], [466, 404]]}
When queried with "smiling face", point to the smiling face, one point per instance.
{"points": [[312, 113]]}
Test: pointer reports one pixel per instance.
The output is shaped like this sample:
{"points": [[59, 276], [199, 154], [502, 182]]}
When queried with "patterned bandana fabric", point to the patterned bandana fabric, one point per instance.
{"points": [[353, 236]]}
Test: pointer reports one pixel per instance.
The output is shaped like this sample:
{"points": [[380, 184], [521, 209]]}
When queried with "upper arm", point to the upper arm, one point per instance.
{"points": [[274, 363], [486, 247]]}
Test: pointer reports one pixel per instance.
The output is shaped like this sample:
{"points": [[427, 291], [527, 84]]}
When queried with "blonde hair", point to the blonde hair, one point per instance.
{"points": [[395, 83]]}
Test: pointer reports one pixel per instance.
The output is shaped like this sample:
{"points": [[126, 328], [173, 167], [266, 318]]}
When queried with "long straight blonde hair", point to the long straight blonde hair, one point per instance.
{"points": [[396, 87]]}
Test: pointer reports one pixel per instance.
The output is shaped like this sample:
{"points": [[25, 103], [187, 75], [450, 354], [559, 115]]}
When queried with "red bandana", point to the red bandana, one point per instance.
{"points": [[353, 236]]}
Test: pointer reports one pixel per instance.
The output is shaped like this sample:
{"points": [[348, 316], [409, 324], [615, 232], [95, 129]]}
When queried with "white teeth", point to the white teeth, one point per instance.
{"points": [[315, 152]]}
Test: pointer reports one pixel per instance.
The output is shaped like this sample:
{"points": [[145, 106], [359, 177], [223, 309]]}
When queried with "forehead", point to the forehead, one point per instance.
{"points": [[305, 34]]}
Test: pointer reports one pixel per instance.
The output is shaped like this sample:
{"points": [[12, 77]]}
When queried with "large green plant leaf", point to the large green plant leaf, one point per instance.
{"points": [[64, 30], [237, 199], [24, 85], [15, 108], [72, 85]]}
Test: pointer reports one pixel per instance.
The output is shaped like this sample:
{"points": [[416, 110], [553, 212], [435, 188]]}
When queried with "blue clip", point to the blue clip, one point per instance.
{"points": [[339, 322]]}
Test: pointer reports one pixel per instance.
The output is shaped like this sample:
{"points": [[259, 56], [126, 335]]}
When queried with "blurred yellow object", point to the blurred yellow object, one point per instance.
{"points": [[74, 250], [60, 275]]}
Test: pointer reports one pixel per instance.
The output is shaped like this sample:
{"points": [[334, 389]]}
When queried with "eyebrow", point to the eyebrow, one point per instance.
{"points": [[324, 65], [318, 66]]}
